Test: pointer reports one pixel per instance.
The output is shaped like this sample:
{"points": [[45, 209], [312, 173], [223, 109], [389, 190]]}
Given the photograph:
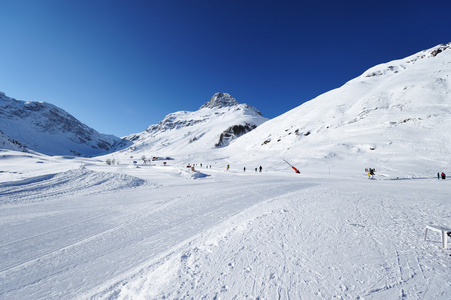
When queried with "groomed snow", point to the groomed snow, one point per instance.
{"points": [[79, 229]]}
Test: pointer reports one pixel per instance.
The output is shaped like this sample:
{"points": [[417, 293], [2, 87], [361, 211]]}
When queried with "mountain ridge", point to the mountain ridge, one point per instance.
{"points": [[48, 129], [216, 123], [393, 117], [378, 120]]}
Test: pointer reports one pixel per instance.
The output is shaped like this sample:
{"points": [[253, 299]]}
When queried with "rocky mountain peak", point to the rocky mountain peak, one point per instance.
{"points": [[220, 100]]}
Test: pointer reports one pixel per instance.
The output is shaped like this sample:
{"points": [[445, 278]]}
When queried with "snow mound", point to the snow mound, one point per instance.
{"points": [[78, 182], [197, 175], [188, 174]]}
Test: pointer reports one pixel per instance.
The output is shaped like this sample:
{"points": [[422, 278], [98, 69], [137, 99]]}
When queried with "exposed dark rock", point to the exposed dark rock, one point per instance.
{"points": [[232, 133]]}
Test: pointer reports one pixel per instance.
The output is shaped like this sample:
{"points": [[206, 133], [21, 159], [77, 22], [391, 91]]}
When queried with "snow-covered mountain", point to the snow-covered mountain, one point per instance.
{"points": [[45, 128], [9, 143], [395, 117], [184, 133], [172, 233]]}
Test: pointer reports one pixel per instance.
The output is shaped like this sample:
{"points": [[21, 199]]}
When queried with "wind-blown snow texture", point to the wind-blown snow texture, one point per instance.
{"points": [[77, 228]]}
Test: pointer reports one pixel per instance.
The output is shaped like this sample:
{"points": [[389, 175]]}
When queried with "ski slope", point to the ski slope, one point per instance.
{"points": [[79, 229], [393, 118]]}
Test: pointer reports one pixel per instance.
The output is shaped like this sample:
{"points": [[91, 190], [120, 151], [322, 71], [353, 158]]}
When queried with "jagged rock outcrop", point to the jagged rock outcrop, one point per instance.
{"points": [[221, 100], [232, 133]]}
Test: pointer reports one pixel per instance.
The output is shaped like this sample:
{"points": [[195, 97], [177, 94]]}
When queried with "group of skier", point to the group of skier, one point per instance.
{"points": [[228, 167], [244, 169], [443, 175], [200, 165], [370, 172]]}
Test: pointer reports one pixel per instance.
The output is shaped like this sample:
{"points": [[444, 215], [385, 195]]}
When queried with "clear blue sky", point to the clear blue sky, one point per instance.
{"points": [[119, 66]]}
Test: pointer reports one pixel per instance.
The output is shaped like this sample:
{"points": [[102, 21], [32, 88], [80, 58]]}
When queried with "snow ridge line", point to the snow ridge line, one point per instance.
{"points": [[78, 181]]}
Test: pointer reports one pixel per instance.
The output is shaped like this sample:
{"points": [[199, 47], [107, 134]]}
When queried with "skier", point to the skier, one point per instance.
{"points": [[438, 175], [228, 167], [443, 176], [244, 169], [261, 168]]}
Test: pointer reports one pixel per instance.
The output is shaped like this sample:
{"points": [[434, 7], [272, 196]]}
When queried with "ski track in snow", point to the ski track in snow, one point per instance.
{"points": [[288, 248], [102, 236], [223, 236], [80, 181]]}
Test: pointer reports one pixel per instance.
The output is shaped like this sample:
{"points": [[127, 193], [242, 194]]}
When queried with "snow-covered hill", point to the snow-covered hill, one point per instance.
{"points": [[184, 133], [394, 117], [154, 232], [47, 129]]}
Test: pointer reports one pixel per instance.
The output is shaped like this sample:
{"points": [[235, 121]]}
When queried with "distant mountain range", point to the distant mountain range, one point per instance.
{"points": [[395, 115], [45, 128]]}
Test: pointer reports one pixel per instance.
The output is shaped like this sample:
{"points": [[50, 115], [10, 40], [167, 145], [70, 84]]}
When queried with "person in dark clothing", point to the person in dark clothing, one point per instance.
{"points": [[261, 168]]}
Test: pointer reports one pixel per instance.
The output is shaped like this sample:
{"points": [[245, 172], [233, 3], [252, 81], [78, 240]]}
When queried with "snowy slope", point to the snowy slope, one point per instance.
{"points": [[9, 143], [154, 232], [394, 117], [47, 129], [185, 133]]}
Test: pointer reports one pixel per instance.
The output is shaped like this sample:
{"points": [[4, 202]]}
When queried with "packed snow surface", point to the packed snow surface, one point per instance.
{"points": [[80, 229]]}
